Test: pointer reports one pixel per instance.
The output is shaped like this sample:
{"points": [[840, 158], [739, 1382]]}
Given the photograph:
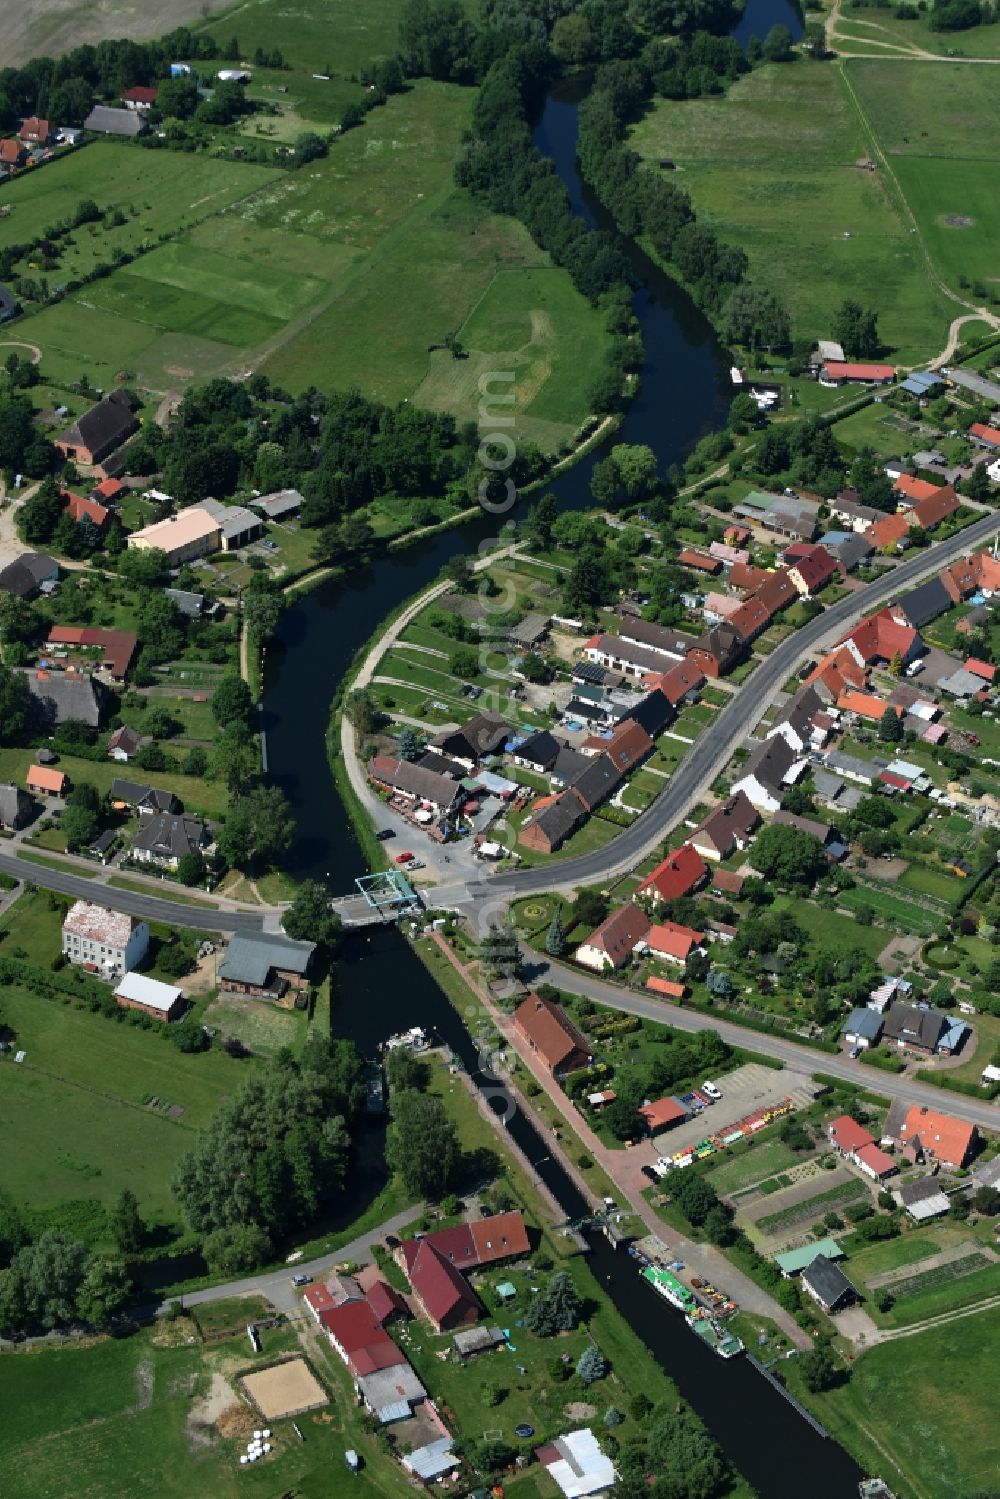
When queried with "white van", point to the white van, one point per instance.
{"points": [[712, 1091]]}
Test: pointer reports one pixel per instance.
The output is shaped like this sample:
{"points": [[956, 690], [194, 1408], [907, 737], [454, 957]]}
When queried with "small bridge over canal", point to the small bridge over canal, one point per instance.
{"points": [[379, 899]]}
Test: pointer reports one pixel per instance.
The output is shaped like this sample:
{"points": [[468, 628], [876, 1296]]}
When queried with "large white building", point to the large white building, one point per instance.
{"points": [[108, 943]]}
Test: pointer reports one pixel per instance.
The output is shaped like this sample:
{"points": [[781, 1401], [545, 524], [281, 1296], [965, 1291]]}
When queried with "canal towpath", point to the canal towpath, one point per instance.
{"points": [[624, 1169]]}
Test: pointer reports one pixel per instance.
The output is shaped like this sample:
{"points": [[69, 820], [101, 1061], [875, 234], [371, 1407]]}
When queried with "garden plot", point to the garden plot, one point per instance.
{"points": [[797, 1207]]}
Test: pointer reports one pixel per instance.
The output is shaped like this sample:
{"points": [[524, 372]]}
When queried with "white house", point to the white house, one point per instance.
{"points": [[107, 942]]}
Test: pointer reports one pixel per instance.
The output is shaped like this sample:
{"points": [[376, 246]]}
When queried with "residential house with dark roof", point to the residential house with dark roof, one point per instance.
{"points": [[611, 944], [124, 743], [26, 574], [538, 752], [601, 777], [104, 120], [626, 657], [475, 741], [718, 650], [652, 713], [729, 827], [927, 602], [773, 766], [827, 1284], [550, 1033], [847, 509], [16, 807], [265, 966], [796, 722], [164, 840], [146, 801], [680, 682], [60, 695], [101, 429], [680, 873], [913, 1027], [414, 784], [552, 821]]}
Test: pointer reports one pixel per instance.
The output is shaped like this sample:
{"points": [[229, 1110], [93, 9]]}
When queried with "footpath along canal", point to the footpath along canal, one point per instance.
{"points": [[380, 985]]}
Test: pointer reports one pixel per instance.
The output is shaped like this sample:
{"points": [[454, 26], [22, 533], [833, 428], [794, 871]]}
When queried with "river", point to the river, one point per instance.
{"points": [[381, 986]]}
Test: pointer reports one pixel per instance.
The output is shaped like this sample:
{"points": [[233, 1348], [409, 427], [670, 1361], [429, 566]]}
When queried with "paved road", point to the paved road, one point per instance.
{"points": [[149, 907], [277, 1286], [801, 1058], [730, 727]]}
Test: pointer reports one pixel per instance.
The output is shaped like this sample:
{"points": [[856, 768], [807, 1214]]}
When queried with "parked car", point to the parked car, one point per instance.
{"points": [[856, 1052], [404, 858], [713, 1092], [384, 834], [416, 864], [301, 1280], [650, 1173]]}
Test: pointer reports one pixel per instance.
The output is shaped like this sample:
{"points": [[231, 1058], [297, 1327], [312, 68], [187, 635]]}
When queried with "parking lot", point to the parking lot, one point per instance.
{"points": [[743, 1092]]}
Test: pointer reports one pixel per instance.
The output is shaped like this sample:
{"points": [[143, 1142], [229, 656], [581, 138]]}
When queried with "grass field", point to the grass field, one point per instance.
{"points": [[259, 266], [206, 797], [873, 27], [939, 124], [120, 1421], [321, 36], [772, 168], [944, 1381]]}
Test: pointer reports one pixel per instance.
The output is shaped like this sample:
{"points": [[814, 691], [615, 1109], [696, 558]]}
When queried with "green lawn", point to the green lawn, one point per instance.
{"points": [[209, 798], [944, 1381], [771, 168], [114, 1421], [939, 123], [832, 929], [326, 36]]}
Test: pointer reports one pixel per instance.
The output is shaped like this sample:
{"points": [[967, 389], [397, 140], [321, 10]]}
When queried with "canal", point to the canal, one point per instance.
{"points": [[380, 985]]}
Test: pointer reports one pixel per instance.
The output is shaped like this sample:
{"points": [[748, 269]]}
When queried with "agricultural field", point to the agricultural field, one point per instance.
{"points": [[319, 36], [82, 1090], [772, 167], [882, 29], [134, 1418], [251, 267], [939, 125], [944, 1381]]}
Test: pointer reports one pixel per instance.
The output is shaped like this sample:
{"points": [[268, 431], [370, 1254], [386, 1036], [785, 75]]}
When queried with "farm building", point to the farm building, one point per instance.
{"points": [[137, 992]]}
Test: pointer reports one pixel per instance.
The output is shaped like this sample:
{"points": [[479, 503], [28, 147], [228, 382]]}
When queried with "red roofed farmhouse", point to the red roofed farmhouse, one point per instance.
{"points": [[880, 637], [839, 372], [552, 1035], [680, 873]]}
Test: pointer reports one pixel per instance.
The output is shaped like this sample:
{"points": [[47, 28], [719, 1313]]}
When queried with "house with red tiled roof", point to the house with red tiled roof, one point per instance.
{"points": [[865, 705], [678, 874], [109, 491], [812, 572], [681, 679], [745, 577], [843, 372], [628, 746], [358, 1338], [960, 579], [35, 132], [13, 154], [889, 531], [909, 490], [987, 437], [441, 1290], [662, 1113], [698, 561], [78, 508], [736, 535], [140, 98], [551, 1034], [673, 943], [880, 637], [924, 1133], [835, 674], [611, 944], [846, 1135], [979, 668], [930, 512]]}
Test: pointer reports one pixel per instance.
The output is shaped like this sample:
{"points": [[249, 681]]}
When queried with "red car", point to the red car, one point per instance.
{"points": [[404, 858]]}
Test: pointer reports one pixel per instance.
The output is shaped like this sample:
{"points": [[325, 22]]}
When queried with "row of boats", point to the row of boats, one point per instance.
{"points": [[703, 1322]]}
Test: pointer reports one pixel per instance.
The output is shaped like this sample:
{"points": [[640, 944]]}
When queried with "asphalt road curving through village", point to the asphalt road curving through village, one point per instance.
{"points": [[704, 763]]}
